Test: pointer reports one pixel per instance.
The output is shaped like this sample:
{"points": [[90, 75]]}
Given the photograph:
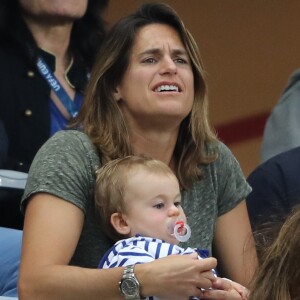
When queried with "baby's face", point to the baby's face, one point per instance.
{"points": [[153, 205]]}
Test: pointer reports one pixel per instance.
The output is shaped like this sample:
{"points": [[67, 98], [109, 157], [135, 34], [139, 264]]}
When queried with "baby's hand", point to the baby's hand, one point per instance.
{"points": [[226, 289], [243, 291]]}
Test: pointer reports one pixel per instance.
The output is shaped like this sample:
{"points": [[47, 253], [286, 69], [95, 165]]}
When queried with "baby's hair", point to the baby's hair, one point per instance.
{"points": [[111, 180]]}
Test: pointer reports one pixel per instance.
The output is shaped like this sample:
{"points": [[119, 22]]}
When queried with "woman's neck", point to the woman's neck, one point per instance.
{"points": [[54, 39], [159, 145]]}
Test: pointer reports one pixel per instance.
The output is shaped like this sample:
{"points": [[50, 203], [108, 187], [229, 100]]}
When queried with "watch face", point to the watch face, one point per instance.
{"points": [[129, 287]]}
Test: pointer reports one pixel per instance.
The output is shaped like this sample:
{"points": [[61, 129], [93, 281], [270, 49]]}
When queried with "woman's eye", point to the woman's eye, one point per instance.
{"points": [[180, 61], [159, 205], [149, 60]]}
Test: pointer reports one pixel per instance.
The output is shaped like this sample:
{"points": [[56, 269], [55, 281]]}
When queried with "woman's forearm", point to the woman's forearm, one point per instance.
{"points": [[68, 282], [234, 245]]}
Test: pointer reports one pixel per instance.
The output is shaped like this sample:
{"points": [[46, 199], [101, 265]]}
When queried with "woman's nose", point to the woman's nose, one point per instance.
{"points": [[168, 66]]}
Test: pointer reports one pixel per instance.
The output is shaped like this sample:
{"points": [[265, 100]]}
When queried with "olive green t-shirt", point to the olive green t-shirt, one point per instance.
{"points": [[65, 167]]}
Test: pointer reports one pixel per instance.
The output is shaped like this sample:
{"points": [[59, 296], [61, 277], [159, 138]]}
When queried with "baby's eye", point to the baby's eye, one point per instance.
{"points": [[159, 205], [177, 203]]}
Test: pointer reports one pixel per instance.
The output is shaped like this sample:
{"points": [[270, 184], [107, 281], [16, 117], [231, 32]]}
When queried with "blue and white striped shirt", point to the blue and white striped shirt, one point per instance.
{"points": [[141, 249]]}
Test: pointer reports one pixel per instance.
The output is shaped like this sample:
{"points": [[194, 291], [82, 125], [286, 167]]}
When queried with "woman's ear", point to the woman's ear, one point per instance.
{"points": [[119, 223], [117, 94]]}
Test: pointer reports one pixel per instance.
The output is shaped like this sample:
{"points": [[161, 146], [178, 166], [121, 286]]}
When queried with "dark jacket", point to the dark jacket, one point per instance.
{"points": [[25, 95], [3, 145], [275, 188]]}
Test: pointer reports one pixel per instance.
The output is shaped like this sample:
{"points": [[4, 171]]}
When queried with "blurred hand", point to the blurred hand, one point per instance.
{"points": [[225, 289]]}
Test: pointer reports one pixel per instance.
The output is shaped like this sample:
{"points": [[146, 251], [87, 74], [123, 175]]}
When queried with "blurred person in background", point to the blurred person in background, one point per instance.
{"points": [[275, 192], [282, 130], [275, 188], [47, 49]]}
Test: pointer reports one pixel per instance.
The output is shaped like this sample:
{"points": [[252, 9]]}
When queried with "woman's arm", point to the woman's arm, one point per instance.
{"points": [[51, 232], [234, 245]]}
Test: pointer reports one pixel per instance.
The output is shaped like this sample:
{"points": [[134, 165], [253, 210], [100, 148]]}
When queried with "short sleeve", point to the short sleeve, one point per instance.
{"points": [[230, 182], [64, 167]]}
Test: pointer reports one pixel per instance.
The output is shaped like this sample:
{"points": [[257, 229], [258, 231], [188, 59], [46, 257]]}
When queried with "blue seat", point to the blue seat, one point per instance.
{"points": [[10, 254]]}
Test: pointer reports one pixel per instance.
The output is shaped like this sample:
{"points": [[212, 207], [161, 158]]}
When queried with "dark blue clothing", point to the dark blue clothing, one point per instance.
{"points": [[276, 187], [58, 121]]}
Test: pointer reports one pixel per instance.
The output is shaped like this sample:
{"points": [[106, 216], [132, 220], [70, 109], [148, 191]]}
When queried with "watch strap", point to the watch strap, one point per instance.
{"points": [[128, 275]]}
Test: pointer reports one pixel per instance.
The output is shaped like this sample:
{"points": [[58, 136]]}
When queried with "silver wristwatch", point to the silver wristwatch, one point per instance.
{"points": [[129, 285]]}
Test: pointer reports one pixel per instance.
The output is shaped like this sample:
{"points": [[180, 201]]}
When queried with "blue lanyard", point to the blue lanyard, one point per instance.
{"points": [[56, 87]]}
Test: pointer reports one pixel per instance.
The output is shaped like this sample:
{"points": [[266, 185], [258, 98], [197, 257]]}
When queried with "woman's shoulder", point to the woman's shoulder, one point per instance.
{"points": [[68, 145], [71, 137], [73, 134], [225, 164], [220, 149]]}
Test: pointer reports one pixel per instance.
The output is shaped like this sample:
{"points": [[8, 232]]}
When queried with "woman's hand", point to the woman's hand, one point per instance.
{"points": [[176, 276], [225, 289]]}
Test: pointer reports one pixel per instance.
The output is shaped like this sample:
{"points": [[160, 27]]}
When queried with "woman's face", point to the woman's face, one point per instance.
{"points": [[158, 85], [67, 9]]}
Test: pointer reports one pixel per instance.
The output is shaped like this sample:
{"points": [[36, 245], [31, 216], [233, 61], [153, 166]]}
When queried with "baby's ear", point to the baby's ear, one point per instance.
{"points": [[119, 223]]}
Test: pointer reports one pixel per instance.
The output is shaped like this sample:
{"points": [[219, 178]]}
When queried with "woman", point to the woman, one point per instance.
{"points": [[66, 36], [147, 96]]}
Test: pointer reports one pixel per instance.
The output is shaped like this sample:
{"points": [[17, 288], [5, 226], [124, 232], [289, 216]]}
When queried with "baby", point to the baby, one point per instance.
{"points": [[139, 202]]}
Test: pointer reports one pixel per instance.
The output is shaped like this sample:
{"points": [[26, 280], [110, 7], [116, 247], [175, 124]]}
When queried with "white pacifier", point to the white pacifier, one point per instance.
{"points": [[182, 231]]}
